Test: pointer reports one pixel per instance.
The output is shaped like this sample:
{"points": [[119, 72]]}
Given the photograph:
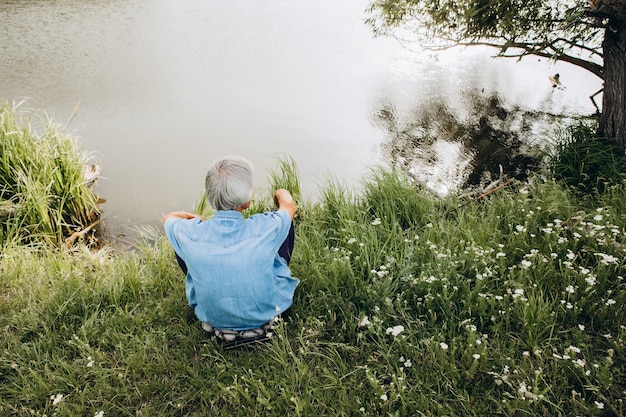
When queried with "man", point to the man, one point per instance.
{"points": [[237, 273]]}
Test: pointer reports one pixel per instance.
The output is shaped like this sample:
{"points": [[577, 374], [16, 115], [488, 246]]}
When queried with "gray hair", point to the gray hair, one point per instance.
{"points": [[229, 183]]}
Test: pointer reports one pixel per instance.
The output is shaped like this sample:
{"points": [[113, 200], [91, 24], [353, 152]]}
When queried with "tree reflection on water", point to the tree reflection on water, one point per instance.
{"points": [[466, 145]]}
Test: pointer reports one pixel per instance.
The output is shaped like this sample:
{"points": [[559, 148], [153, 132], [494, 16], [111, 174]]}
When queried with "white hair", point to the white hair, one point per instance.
{"points": [[229, 182]]}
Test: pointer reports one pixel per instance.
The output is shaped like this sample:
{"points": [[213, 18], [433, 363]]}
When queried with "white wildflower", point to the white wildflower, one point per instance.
{"points": [[56, 398], [607, 259], [443, 345], [376, 221], [395, 330], [365, 322], [591, 280], [522, 388], [572, 349]]}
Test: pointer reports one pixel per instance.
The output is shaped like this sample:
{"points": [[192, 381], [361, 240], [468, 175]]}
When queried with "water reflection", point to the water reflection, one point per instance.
{"points": [[446, 151], [166, 86], [468, 131]]}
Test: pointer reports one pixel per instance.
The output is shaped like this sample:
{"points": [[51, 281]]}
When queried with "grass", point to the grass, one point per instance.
{"points": [[44, 197], [586, 163], [509, 305]]}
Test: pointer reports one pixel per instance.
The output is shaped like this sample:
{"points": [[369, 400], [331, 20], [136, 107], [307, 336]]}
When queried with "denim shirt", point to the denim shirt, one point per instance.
{"points": [[235, 279]]}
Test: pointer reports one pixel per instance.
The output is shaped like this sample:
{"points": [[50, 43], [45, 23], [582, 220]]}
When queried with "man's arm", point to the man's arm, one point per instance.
{"points": [[180, 215], [284, 201]]}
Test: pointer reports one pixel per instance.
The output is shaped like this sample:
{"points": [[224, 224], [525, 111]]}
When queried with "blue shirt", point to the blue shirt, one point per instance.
{"points": [[235, 279]]}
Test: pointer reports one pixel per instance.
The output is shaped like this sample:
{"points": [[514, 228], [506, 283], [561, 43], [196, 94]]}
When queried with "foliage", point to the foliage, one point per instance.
{"points": [[511, 305], [44, 197], [559, 30], [589, 164]]}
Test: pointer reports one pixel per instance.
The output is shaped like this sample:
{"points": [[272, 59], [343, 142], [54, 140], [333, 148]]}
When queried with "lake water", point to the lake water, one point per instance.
{"points": [[166, 86]]}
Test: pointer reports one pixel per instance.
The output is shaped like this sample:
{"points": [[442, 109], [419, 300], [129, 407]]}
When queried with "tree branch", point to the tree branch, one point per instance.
{"points": [[595, 69], [579, 46]]}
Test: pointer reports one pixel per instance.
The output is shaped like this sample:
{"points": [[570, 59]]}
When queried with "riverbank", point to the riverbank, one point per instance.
{"points": [[510, 305]]}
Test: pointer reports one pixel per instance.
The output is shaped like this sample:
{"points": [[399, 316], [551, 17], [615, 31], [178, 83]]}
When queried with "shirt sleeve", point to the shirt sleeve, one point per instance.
{"points": [[284, 226], [170, 231]]}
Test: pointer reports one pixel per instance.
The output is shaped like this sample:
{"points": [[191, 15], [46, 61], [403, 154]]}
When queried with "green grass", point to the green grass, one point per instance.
{"points": [[586, 163], [509, 305], [44, 197]]}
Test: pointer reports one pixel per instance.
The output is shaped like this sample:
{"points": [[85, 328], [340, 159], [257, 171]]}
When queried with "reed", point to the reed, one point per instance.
{"points": [[44, 195]]}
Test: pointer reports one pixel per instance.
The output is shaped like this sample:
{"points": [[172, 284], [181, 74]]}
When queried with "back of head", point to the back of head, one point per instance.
{"points": [[229, 183]]}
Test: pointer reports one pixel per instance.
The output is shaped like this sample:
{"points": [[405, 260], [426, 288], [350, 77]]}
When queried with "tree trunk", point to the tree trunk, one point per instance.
{"points": [[613, 119]]}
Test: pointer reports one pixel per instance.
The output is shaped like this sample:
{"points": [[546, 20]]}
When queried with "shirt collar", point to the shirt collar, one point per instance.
{"points": [[227, 214]]}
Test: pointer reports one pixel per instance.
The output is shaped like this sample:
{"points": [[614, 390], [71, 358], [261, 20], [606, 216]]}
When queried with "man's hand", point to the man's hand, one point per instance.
{"points": [[284, 201], [181, 215]]}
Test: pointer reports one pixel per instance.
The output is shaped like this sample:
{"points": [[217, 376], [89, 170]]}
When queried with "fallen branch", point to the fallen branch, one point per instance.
{"points": [[80, 233]]}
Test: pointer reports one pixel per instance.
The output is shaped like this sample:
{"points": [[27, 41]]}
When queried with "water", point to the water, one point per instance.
{"points": [[166, 86]]}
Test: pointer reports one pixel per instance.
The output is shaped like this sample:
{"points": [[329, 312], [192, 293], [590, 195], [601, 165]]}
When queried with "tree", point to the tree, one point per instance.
{"points": [[590, 34]]}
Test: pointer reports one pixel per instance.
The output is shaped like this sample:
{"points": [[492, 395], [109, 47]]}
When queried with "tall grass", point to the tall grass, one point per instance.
{"points": [[587, 163], [509, 305], [43, 193]]}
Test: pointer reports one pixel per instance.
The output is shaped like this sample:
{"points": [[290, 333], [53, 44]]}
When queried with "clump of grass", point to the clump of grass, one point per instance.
{"points": [[44, 197], [510, 305], [587, 163]]}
